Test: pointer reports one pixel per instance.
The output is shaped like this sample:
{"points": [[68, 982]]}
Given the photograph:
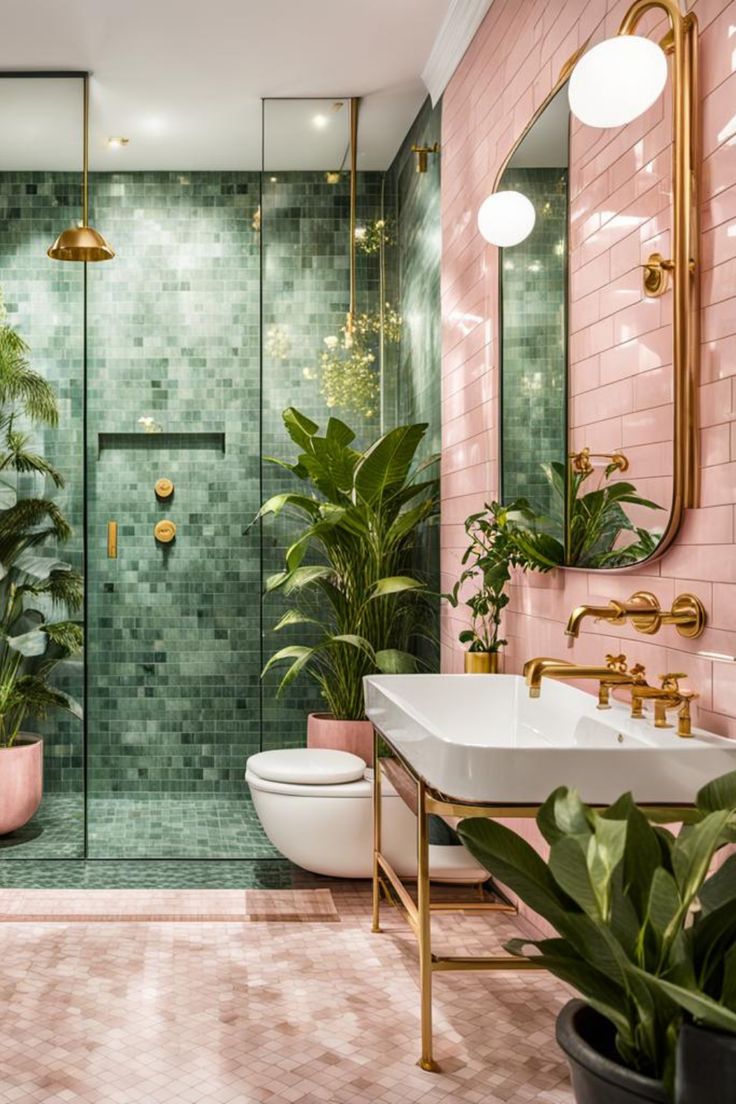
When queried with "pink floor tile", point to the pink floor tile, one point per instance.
{"points": [[187, 1013]]}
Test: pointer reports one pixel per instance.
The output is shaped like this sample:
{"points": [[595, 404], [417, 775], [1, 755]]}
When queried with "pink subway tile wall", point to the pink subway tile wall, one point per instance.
{"points": [[621, 375]]}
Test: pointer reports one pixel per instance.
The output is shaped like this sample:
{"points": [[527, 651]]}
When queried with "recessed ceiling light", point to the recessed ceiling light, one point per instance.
{"points": [[319, 121], [117, 143]]}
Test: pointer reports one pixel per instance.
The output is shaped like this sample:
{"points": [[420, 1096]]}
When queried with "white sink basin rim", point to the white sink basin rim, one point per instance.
{"points": [[481, 738]]}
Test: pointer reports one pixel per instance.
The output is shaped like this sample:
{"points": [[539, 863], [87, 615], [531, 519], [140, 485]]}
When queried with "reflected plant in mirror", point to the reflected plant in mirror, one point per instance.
{"points": [[591, 526]]}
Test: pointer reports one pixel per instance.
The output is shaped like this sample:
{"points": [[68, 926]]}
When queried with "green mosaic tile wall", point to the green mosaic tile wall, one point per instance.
{"points": [[45, 302], [413, 370], [175, 703], [533, 290], [174, 335]]}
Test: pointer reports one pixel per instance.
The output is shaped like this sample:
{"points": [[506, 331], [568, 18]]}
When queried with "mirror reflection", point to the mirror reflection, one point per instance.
{"points": [[586, 379]]}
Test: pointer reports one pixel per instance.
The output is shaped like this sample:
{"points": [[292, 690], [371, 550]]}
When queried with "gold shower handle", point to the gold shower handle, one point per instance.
{"points": [[112, 540], [164, 531]]}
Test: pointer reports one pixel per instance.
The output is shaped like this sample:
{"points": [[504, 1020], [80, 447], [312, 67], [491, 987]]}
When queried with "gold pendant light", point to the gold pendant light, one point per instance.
{"points": [[82, 243]]}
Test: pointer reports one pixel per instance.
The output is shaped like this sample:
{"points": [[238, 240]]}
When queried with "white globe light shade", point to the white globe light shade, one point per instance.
{"points": [[617, 80], [506, 218]]}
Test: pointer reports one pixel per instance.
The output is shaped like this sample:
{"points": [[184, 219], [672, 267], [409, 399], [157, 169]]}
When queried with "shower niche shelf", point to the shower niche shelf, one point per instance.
{"points": [[198, 440]]}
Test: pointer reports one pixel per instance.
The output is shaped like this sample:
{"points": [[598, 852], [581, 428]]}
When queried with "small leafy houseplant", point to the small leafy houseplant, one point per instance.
{"points": [[645, 934], [348, 577], [493, 550], [38, 592]]}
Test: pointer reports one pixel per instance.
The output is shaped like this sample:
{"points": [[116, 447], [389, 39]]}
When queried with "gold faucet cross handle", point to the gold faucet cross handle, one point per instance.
{"points": [[672, 681]]}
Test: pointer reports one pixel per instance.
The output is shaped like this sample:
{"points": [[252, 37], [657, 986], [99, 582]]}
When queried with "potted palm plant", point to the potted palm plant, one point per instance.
{"points": [[37, 591], [644, 933], [497, 543], [348, 576]]}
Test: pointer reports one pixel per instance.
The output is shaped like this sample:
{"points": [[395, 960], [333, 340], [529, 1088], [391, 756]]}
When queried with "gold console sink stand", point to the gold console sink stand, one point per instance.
{"points": [[418, 913]]}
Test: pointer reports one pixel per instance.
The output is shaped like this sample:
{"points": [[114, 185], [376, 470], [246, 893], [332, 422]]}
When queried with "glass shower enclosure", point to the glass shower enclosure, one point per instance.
{"points": [[172, 364]]}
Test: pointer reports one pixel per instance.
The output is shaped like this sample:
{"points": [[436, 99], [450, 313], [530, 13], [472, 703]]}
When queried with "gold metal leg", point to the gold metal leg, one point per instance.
{"points": [[376, 925], [426, 1062]]}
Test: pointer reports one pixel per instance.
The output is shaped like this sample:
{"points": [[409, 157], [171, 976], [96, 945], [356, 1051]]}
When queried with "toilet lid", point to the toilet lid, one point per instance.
{"points": [[307, 766]]}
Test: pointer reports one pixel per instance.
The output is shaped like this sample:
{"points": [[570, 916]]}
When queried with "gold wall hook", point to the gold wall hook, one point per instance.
{"points": [[164, 531]]}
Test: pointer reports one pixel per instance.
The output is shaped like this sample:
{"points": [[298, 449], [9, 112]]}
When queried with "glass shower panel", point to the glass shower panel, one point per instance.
{"points": [[305, 299], [40, 195], [174, 394]]}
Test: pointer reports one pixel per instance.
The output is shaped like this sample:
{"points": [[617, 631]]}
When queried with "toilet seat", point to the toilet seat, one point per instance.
{"points": [[294, 771], [307, 766]]}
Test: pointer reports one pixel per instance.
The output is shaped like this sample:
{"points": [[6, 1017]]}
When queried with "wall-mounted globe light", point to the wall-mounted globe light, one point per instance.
{"points": [[617, 80], [506, 218]]}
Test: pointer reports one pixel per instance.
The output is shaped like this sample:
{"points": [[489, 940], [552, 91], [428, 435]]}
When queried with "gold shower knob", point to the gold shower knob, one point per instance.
{"points": [[164, 488], [164, 531]]}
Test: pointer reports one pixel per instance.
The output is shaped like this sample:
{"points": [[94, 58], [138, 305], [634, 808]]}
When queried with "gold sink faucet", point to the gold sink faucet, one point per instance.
{"points": [[643, 610], [615, 673], [667, 696]]}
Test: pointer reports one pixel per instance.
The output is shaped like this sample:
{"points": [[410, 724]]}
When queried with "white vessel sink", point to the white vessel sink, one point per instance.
{"points": [[482, 738]]}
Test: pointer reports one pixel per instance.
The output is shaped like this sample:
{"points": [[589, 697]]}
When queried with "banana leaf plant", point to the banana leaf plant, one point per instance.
{"points": [[38, 592], [348, 573], [588, 528], [644, 932]]}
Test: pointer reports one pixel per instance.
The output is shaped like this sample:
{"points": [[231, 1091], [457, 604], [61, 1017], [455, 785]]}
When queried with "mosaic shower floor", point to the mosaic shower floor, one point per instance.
{"points": [[186, 1012], [128, 827]]}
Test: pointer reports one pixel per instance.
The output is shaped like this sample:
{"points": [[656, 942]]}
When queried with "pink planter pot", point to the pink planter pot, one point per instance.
{"points": [[324, 731], [21, 782]]}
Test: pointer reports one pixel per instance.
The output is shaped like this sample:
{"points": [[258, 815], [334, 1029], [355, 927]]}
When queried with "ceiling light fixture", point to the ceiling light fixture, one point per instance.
{"points": [[617, 81], [82, 243], [319, 121], [117, 143]]}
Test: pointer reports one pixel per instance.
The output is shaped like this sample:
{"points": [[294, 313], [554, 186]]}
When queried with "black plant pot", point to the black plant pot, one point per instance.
{"points": [[706, 1066], [598, 1077]]}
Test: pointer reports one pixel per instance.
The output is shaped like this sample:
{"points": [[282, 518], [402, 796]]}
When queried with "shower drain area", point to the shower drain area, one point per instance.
{"points": [[135, 827]]}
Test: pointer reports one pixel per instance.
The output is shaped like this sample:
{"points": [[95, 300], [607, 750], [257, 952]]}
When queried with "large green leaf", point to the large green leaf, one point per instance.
{"points": [[31, 643], [301, 503], [392, 661], [300, 428], [693, 851], [701, 1007], [718, 794], [386, 464], [568, 864], [514, 862], [395, 584], [720, 888]]}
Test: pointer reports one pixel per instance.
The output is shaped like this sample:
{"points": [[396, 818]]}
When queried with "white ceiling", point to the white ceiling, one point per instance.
{"points": [[184, 79]]}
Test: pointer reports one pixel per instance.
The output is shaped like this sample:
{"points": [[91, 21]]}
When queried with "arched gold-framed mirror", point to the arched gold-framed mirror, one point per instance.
{"points": [[598, 307]]}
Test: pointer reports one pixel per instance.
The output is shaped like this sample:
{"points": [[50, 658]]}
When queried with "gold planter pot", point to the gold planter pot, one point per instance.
{"points": [[481, 663]]}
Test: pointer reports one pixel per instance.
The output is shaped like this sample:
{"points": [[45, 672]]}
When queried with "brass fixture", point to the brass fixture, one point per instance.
{"points": [[642, 609], [112, 540], [116, 143], [354, 111], [657, 271], [164, 488], [422, 155], [582, 461], [546, 667], [333, 176], [667, 696], [619, 665], [82, 243], [681, 40], [164, 531]]}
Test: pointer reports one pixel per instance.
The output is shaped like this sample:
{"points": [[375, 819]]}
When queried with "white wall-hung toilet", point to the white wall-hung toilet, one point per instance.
{"points": [[315, 805]]}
